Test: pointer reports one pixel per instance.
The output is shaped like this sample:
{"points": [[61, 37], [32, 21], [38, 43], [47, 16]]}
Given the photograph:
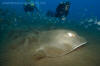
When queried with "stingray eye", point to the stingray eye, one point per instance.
{"points": [[71, 35]]}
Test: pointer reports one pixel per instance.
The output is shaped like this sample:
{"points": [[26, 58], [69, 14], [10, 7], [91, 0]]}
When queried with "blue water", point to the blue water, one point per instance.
{"points": [[83, 18]]}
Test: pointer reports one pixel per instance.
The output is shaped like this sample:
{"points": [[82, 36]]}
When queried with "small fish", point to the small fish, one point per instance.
{"points": [[90, 20], [98, 23]]}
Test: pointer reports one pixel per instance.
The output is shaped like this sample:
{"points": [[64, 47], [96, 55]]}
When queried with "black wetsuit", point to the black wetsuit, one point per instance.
{"points": [[60, 10], [29, 8]]}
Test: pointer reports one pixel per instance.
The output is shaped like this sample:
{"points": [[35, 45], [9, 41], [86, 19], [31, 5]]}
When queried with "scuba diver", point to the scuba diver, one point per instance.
{"points": [[30, 7], [62, 11]]}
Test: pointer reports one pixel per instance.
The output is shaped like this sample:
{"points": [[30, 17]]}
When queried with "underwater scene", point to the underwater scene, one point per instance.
{"points": [[49, 33]]}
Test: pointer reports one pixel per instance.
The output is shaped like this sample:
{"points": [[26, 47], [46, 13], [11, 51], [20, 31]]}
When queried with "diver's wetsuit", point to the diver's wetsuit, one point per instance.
{"points": [[29, 8], [61, 11]]}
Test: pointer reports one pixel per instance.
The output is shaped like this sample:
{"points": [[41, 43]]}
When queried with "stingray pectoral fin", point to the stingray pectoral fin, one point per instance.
{"points": [[79, 45]]}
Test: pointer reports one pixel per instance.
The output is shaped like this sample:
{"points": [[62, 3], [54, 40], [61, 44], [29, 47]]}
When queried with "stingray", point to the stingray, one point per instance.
{"points": [[59, 42], [50, 43], [28, 48]]}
